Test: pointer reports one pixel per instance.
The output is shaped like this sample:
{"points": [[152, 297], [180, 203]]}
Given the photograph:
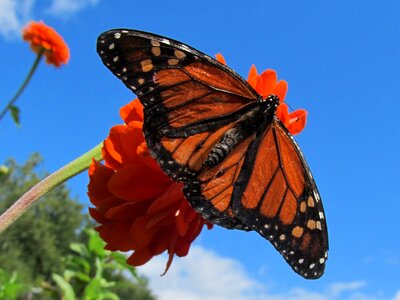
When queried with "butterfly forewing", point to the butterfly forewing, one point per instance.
{"points": [[190, 101], [175, 82]]}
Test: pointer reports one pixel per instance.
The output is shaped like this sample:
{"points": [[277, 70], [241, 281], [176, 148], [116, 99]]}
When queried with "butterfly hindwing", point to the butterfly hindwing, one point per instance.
{"points": [[211, 192], [279, 200], [266, 184], [175, 82]]}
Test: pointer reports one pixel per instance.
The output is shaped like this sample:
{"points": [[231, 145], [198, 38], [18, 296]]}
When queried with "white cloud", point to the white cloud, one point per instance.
{"points": [[200, 275], [69, 7], [340, 287], [13, 15], [397, 297], [205, 275]]}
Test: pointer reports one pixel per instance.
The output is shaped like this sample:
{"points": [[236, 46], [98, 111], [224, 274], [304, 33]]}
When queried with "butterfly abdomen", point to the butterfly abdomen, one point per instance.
{"points": [[249, 123], [222, 149]]}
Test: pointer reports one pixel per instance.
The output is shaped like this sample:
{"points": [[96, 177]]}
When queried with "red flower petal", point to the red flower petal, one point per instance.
{"points": [[117, 235], [220, 58], [298, 120], [282, 112], [97, 188], [140, 257], [171, 197], [267, 83], [133, 111], [281, 89], [97, 215], [137, 182], [252, 77], [144, 155], [120, 146], [140, 235], [126, 210]]}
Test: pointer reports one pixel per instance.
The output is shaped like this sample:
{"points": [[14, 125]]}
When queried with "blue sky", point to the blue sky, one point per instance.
{"points": [[341, 60]]}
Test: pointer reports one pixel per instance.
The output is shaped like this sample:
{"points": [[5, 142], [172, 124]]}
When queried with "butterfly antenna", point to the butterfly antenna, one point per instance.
{"points": [[297, 115]]}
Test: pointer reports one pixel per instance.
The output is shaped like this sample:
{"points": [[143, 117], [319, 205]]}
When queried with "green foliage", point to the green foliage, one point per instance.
{"points": [[10, 286], [91, 272], [126, 290], [35, 244], [15, 113], [3, 172]]}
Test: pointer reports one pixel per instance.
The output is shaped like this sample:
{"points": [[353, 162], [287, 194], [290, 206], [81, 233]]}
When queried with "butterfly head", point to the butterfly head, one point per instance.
{"points": [[271, 99], [269, 103]]}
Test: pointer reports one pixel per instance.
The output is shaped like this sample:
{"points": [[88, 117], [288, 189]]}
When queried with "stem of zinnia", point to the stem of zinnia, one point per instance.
{"points": [[47, 184], [24, 84]]}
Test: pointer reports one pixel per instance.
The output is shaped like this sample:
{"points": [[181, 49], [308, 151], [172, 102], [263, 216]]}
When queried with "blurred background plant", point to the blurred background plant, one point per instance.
{"points": [[52, 252]]}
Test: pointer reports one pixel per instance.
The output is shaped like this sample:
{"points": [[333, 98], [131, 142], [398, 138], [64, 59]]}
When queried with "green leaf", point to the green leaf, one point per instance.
{"points": [[96, 244], [92, 290], [4, 171], [120, 260], [99, 268], [15, 114], [109, 296], [82, 276], [106, 284], [79, 263], [68, 274], [9, 285], [66, 288], [79, 248]]}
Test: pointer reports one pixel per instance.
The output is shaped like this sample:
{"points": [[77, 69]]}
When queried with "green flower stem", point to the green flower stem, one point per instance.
{"points": [[24, 84], [47, 184]]}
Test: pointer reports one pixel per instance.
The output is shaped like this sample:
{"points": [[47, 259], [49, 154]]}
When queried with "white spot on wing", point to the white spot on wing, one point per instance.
{"points": [[185, 47]]}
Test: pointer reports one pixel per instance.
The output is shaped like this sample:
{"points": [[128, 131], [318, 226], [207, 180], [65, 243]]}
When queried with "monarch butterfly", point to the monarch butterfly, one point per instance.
{"points": [[207, 127]]}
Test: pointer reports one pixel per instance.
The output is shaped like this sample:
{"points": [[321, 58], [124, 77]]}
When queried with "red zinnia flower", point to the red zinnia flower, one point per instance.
{"points": [[138, 206], [44, 38]]}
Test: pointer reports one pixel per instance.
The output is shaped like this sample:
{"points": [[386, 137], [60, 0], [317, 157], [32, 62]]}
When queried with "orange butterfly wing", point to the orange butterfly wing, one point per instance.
{"points": [[190, 102], [211, 192], [266, 184], [185, 93], [279, 199]]}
